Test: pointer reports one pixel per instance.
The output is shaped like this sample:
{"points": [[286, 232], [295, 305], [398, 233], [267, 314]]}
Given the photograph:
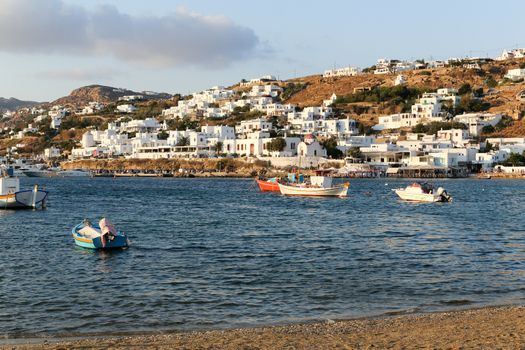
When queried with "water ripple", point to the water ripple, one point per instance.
{"points": [[216, 253]]}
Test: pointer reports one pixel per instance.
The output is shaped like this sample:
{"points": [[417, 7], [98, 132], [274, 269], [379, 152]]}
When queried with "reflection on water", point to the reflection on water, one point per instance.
{"points": [[216, 253]]}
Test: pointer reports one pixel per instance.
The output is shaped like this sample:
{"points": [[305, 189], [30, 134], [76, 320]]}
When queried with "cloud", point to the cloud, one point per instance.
{"points": [[181, 38], [82, 74]]}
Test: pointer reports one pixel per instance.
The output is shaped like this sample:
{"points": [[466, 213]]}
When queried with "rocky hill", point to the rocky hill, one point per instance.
{"points": [[13, 104], [105, 94], [501, 97]]}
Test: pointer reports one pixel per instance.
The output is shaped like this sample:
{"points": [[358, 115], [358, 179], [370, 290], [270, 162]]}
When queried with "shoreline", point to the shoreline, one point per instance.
{"points": [[486, 327]]}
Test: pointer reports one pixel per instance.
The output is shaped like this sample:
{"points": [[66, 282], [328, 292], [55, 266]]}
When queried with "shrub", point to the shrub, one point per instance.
{"points": [[491, 82], [276, 145], [464, 89]]}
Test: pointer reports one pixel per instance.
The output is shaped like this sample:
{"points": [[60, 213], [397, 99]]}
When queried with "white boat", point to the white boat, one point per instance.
{"points": [[41, 173], [11, 197], [422, 192], [319, 186], [73, 173]]}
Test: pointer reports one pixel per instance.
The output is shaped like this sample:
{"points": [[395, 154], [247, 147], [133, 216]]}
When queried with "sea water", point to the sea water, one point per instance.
{"points": [[216, 253]]}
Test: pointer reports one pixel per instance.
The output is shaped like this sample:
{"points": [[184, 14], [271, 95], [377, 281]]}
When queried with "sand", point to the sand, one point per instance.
{"points": [[487, 328]]}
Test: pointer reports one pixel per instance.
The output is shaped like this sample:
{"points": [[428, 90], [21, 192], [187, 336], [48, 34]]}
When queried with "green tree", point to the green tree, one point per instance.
{"points": [[218, 147], [516, 159], [488, 129], [276, 145], [354, 152], [464, 89], [183, 141], [420, 129], [332, 151]]}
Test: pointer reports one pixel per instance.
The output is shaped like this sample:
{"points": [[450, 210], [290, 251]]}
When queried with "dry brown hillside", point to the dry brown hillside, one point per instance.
{"points": [[502, 98]]}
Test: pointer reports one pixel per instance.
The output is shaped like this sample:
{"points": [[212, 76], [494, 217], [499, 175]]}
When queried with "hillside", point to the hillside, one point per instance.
{"points": [[13, 104], [502, 98], [105, 94]]}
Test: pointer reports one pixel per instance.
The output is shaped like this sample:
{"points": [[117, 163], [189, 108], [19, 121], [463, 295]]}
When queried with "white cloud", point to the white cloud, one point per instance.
{"points": [[178, 39]]}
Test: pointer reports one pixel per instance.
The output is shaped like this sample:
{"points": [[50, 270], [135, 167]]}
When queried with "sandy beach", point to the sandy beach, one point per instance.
{"points": [[487, 328]]}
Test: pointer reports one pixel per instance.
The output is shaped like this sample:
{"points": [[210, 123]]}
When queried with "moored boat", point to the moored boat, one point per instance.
{"points": [[269, 185], [318, 186], [11, 197], [73, 173], [102, 235], [422, 192], [40, 173]]}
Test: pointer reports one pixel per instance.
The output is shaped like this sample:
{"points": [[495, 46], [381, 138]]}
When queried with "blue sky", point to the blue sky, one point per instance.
{"points": [[49, 47]]}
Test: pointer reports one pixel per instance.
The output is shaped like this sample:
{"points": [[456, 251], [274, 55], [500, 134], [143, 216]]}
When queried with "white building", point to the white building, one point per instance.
{"points": [[265, 90], [51, 152], [426, 110], [310, 147], [137, 125], [330, 101], [249, 126], [510, 54], [489, 159], [131, 98], [126, 108], [400, 80], [338, 127], [92, 107], [515, 74], [477, 121], [342, 72]]}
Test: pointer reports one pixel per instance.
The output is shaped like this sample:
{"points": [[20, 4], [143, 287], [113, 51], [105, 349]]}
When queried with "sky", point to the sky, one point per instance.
{"points": [[50, 47]]}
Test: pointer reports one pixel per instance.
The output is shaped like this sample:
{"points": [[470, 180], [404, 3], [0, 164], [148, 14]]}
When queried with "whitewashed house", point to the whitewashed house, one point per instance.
{"points": [[138, 125], [131, 98], [249, 126], [126, 108], [475, 122], [515, 74], [310, 147], [400, 80], [51, 153], [342, 72]]}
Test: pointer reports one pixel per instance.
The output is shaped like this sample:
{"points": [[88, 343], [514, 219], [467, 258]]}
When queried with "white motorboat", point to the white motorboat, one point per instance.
{"points": [[41, 173], [422, 192], [319, 186], [73, 173]]}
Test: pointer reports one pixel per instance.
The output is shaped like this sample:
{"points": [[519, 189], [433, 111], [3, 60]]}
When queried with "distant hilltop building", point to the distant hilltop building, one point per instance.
{"points": [[510, 54], [131, 98], [342, 72], [263, 79], [387, 66]]}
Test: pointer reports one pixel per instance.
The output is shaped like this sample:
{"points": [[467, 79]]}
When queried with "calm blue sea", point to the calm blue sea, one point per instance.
{"points": [[216, 253]]}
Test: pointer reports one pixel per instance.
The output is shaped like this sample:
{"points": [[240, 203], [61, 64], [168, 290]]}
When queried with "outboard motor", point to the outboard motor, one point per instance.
{"points": [[445, 197]]}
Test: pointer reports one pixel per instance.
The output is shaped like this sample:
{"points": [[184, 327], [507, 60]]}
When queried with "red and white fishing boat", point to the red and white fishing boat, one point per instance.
{"points": [[318, 186]]}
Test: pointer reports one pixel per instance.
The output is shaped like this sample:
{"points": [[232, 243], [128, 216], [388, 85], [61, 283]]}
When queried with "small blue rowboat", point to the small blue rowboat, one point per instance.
{"points": [[88, 235]]}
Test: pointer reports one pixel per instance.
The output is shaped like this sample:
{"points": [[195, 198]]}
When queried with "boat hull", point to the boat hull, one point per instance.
{"points": [[266, 186], [119, 241], [23, 199], [418, 197], [337, 191], [40, 173]]}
